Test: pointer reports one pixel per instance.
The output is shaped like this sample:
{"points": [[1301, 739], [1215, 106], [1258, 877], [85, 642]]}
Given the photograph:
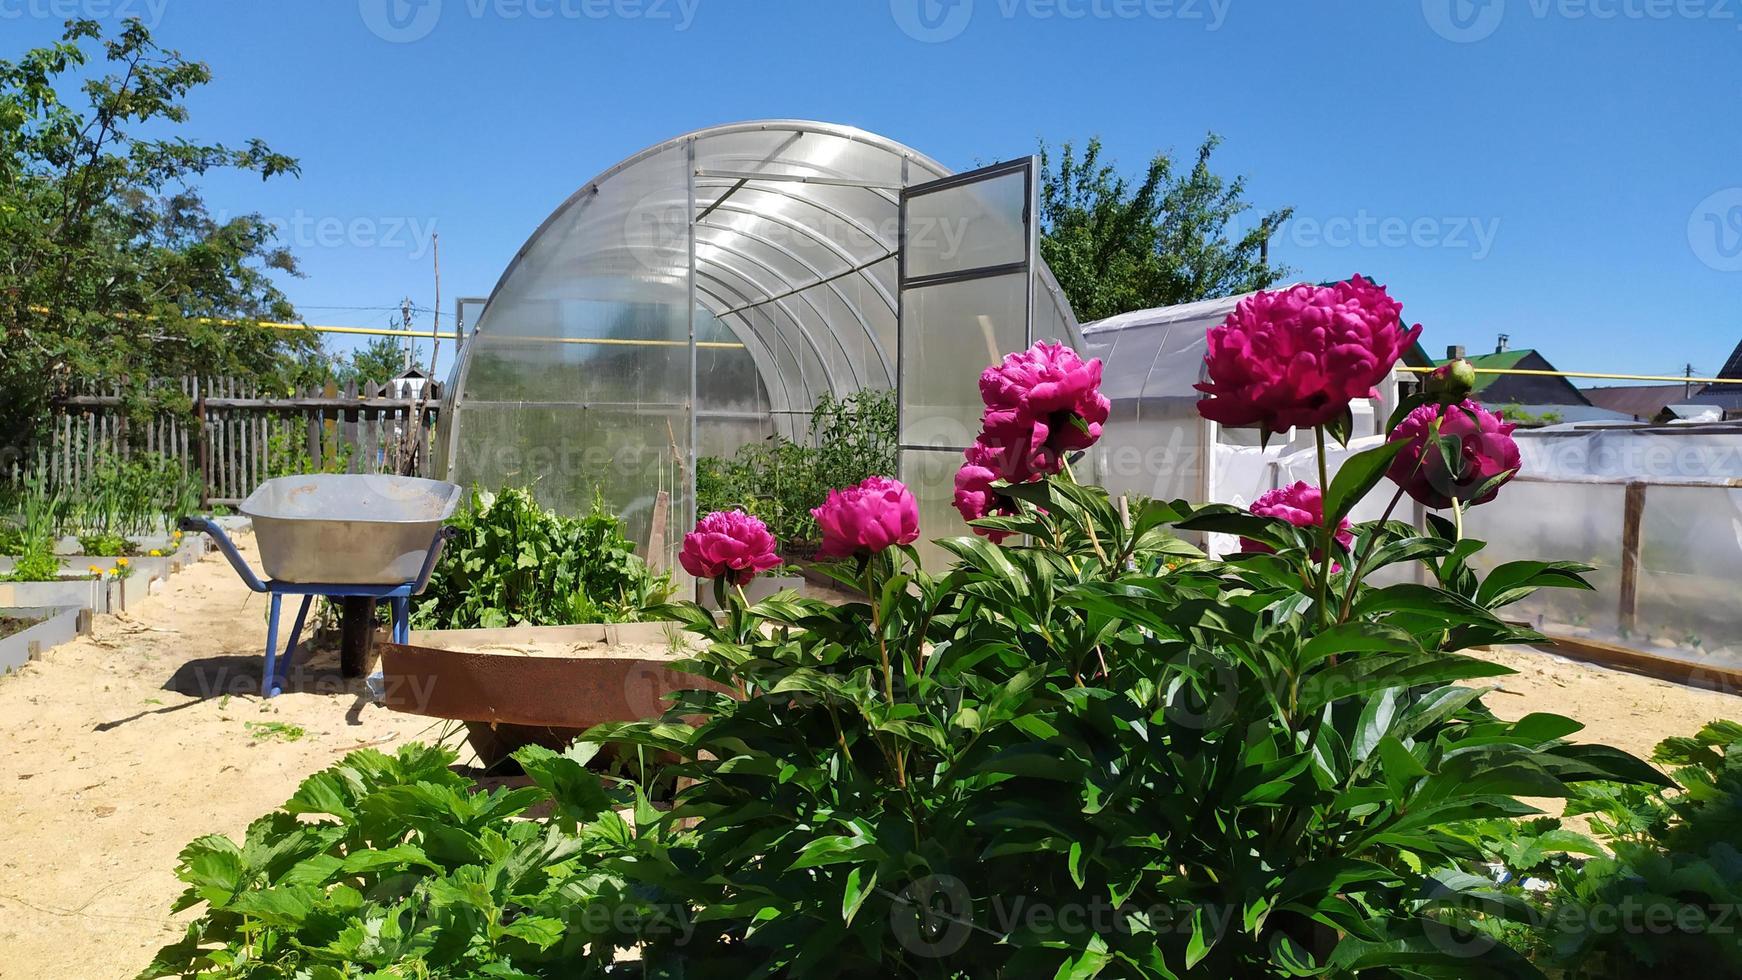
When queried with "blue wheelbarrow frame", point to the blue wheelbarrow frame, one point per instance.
{"points": [[398, 598]]}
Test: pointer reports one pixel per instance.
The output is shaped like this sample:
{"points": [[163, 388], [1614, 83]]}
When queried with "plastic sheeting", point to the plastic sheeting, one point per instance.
{"points": [[1570, 504]]}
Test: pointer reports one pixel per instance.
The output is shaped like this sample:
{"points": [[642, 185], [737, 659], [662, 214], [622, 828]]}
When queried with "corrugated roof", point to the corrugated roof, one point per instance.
{"points": [[1638, 401]]}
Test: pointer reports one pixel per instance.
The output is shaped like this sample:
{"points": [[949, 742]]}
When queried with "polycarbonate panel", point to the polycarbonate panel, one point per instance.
{"points": [[1690, 559], [932, 478], [955, 331], [977, 225], [1557, 522]]}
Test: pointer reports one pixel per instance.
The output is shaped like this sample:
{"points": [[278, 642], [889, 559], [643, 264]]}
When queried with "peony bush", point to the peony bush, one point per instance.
{"points": [[1084, 749]]}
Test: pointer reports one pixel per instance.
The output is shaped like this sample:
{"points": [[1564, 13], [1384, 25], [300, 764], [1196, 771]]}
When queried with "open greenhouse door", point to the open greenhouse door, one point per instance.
{"points": [[968, 257]]}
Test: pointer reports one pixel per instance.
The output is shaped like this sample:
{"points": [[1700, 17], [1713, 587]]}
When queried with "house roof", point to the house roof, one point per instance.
{"points": [[1637, 401], [1733, 366]]}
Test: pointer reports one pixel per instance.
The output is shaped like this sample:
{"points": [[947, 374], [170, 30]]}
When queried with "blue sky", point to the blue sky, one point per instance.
{"points": [[1568, 172]]}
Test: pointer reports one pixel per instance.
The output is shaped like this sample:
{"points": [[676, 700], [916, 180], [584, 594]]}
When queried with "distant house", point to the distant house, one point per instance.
{"points": [[1728, 398], [1495, 390], [1642, 403]]}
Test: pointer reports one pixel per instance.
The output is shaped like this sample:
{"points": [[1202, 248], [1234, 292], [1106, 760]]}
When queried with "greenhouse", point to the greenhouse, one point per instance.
{"points": [[706, 292]]}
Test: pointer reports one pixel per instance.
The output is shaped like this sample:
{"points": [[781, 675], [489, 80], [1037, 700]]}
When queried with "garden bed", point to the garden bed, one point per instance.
{"points": [[25, 633], [536, 684]]}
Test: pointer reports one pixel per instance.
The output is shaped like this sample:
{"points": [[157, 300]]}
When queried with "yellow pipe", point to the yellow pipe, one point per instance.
{"points": [[1529, 372], [386, 332], [595, 341]]}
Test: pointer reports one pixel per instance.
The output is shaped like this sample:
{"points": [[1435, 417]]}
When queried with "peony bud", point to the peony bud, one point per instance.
{"points": [[1450, 383]]}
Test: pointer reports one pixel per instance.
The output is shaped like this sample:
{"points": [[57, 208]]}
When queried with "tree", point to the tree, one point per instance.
{"points": [[1169, 239], [111, 267], [380, 360]]}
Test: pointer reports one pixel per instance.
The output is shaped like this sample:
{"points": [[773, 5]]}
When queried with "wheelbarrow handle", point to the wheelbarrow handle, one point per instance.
{"points": [[442, 536], [211, 528]]}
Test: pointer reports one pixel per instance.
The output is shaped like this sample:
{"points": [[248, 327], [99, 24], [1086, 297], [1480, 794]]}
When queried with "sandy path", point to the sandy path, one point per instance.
{"points": [[119, 748], [1625, 710]]}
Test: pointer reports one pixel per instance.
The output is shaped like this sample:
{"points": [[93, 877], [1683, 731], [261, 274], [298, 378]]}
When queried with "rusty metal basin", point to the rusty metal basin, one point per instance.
{"points": [[536, 684]]}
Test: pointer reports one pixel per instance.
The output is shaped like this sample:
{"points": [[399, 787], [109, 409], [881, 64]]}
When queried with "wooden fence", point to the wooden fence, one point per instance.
{"points": [[236, 437]]}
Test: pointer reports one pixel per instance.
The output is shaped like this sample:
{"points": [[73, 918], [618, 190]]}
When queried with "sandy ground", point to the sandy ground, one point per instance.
{"points": [[119, 748], [1625, 710]]}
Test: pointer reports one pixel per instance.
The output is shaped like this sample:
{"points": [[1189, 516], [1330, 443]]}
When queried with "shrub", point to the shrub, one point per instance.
{"points": [[513, 562], [1201, 771]]}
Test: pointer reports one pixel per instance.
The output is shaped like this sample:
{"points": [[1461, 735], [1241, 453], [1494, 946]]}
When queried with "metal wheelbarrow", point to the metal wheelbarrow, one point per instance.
{"points": [[343, 536]]}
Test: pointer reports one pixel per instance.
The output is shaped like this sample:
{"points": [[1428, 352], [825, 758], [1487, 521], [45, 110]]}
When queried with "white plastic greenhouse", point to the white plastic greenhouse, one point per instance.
{"points": [[1657, 509], [705, 292]]}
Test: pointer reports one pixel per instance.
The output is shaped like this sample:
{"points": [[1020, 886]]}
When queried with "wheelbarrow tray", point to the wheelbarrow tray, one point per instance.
{"points": [[353, 528]]}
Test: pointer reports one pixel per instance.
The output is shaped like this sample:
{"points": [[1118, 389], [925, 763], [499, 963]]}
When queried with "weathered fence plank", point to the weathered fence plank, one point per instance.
{"points": [[229, 437]]}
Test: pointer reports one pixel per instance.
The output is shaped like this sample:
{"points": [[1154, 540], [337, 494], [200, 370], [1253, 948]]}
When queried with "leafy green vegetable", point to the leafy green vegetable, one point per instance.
{"points": [[395, 865], [513, 562]]}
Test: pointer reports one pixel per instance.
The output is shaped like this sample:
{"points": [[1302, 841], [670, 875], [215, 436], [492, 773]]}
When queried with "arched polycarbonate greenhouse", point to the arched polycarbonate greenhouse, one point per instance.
{"points": [[706, 292]]}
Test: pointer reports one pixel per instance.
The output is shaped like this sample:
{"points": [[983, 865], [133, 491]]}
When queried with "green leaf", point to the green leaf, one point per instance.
{"points": [[837, 849], [1356, 477], [856, 892]]}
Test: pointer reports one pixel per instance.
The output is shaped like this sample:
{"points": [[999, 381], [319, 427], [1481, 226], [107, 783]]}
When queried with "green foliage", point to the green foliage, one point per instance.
{"points": [[37, 563], [1170, 238], [31, 535], [394, 865], [287, 455], [513, 562], [1658, 890], [144, 493], [1049, 762], [38, 512], [1090, 752], [781, 481], [106, 545], [1516, 413], [111, 267]]}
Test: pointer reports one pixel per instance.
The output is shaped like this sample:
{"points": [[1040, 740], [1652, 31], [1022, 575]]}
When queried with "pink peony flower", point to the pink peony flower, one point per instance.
{"points": [[1296, 358], [864, 520], [1303, 506], [1041, 404], [975, 496], [730, 545], [1487, 451]]}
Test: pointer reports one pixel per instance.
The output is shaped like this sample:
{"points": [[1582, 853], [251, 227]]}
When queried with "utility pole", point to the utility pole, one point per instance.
{"points": [[405, 325], [1688, 386]]}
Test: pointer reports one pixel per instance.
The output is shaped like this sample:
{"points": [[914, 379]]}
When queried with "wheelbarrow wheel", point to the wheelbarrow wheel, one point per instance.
{"points": [[356, 636]]}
